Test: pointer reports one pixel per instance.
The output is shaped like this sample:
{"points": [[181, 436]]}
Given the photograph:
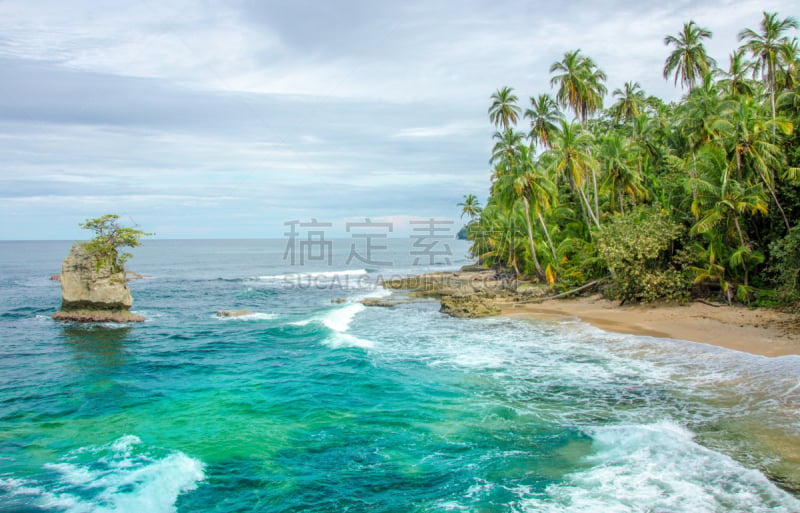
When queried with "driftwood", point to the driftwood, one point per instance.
{"points": [[559, 296], [707, 303]]}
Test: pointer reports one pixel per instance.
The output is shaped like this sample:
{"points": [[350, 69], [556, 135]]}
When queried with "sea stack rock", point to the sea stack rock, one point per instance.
{"points": [[92, 291]]}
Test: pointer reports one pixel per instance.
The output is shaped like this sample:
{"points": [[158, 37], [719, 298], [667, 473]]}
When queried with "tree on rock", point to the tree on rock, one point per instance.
{"points": [[93, 284], [109, 236]]}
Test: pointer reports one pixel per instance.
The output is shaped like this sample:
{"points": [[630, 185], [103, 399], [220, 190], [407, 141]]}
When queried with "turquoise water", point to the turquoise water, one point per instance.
{"points": [[309, 405]]}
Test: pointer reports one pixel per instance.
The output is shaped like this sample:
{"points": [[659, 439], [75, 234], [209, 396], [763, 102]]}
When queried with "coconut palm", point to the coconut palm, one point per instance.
{"points": [[736, 81], [698, 113], [721, 200], [529, 185], [621, 176], [497, 236], [544, 115], [504, 151], [471, 207], [745, 133], [580, 84], [504, 110], [571, 157], [689, 60], [631, 102], [766, 47], [788, 75]]}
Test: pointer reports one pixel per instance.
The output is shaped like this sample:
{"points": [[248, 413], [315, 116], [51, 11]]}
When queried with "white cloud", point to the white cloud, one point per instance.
{"points": [[266, 110]]}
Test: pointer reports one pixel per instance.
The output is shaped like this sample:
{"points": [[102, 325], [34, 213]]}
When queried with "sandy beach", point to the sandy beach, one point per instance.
{"points": [[758, 331]]}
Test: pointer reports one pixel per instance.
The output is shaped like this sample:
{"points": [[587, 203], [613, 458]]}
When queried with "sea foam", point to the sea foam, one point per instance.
{"points": [[340, 318], [119, 477], [347, 279], [255, 316], [659, 467]]}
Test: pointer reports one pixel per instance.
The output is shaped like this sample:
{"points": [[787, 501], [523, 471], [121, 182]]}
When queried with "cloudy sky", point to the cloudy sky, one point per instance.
{"points": [[226, 118]]}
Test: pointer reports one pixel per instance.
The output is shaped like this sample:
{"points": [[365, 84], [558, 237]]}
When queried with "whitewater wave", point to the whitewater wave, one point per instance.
{"points": [[338, 321], [340, 340], [340, 318], [255, 316], [121, 477], [347, 279], [318, 274], [659, 467]]}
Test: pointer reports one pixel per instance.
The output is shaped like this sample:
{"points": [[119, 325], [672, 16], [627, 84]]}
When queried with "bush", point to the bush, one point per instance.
{"points": [[784, 267], [638, 251]]}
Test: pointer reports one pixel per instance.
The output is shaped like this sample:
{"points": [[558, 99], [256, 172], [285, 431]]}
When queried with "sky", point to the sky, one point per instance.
{"points": [[230, 118]]}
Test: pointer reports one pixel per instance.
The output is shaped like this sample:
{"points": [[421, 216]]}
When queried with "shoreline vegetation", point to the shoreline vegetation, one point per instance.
{"points": [[481, 293], [693, 203]]}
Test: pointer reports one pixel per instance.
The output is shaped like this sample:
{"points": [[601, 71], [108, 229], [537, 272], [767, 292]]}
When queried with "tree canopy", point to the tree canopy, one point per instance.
{"points": [[707, 187], [109, 237]]}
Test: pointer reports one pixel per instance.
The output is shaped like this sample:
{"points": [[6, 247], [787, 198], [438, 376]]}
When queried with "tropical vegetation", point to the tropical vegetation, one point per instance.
{"points": [[656, 200], [109, 237]]}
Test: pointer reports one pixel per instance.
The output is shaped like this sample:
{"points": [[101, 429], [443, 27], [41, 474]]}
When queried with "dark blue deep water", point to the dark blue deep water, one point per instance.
{"points": [[310, 405]]}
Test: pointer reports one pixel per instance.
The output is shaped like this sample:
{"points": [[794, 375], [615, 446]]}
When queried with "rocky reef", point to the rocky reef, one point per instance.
{"points": [[93, 290], [468, 306], [471, 292]]}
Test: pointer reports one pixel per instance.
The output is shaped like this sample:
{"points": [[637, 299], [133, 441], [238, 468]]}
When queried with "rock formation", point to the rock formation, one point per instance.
{"points": [[92, 290], [468, 306], [376, 301], [484, 282]]}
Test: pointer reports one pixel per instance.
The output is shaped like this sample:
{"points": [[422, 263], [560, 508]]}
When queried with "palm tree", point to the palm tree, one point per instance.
{"points": [[745, 132], [735, 81], [787, 75], [698, 113], [504, 151], [766, 47], [504, 111], [571, 157], [631, 102], [497, 237], [529, 185], [621, 177], [471, 207], [580, 84], [721, 200], [544, 114], [689, 60]]}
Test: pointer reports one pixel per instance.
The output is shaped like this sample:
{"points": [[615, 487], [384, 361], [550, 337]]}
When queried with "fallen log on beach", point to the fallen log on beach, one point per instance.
{"points": [[586, 286]]}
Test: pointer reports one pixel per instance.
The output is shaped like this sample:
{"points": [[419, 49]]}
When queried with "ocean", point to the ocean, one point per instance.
{"points": [[310, 405]]}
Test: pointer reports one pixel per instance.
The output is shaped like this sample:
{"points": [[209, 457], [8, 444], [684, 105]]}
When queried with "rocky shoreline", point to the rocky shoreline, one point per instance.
{"points": [[468, 293], [473, 293]]}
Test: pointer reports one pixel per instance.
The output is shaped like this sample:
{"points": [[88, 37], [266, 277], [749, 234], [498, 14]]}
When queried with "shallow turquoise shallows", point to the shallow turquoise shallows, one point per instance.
{"points": [[310, 405]]}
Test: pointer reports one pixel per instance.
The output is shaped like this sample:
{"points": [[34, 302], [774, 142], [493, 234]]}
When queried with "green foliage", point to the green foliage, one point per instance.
{"points": [[784, 267], [109, 236], [572, 200], [637, 252]]}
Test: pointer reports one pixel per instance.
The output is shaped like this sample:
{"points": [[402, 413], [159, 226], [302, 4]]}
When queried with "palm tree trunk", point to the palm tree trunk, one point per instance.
{"points": [[576, 191], [774, 114], [594, 185], [539, 272], [742, 241], [596, 200], [778, 203], [549, 240], [588, 207]]}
